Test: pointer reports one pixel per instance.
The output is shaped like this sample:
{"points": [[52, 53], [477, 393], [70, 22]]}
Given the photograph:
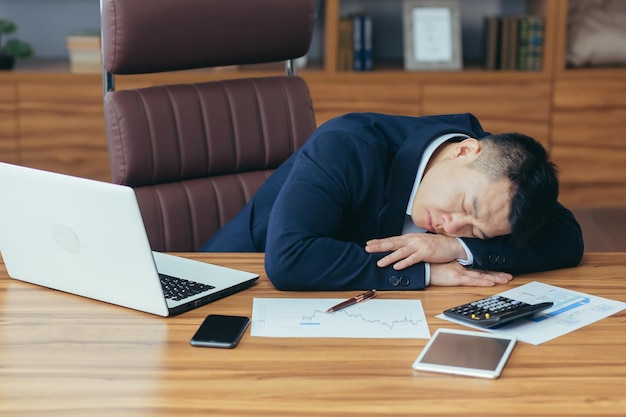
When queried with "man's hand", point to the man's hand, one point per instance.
{"points": [[412, 248], [455, 274]]}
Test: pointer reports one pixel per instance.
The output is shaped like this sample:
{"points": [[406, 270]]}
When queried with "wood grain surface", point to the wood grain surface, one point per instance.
{"points": [[62, 355]]}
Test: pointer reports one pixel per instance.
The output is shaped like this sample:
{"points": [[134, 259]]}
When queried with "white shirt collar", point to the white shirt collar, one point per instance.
{"points": [[432, 147], [409, 226]]}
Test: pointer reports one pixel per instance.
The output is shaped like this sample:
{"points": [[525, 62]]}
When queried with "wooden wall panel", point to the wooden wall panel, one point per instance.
{"points": [[593, 164], [62, 128], [577, 195], [8, 124], [56, 121], [500, 107], [589, 141], [332, 98]]}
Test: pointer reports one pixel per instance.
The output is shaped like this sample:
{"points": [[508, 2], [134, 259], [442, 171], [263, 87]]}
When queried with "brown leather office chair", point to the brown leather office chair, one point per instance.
{"points": [[196, 153]]}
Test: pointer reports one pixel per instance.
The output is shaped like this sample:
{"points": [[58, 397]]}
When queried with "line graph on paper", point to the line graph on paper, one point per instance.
{"points": [[307, 317]]}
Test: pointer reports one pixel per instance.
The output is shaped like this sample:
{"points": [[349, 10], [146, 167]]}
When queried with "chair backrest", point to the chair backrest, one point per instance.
{"points": [[196, 153]]}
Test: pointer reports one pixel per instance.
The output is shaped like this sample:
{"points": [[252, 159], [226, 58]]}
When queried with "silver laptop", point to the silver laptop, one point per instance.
{"points": [[87, 238]]}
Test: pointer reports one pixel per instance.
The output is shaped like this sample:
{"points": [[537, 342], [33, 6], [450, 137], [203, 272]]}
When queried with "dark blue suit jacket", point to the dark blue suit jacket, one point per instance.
{"points": [[351, 182]]}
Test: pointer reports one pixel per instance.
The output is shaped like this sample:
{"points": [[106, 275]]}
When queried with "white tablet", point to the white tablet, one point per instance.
{"points": [[464, 352]]}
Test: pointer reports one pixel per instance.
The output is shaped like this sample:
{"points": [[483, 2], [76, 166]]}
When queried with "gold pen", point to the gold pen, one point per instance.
{"points": [[351, 301]]}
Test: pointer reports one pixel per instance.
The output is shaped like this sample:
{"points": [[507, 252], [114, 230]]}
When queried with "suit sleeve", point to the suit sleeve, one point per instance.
{"points": [[332, 179], [558, 245]]}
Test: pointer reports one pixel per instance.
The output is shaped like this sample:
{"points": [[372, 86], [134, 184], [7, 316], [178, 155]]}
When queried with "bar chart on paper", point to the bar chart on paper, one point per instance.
{"points": [[307, 317]]}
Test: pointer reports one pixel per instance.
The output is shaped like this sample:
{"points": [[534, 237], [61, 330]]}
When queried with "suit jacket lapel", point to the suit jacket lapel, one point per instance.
{"points": [[399, 185]]}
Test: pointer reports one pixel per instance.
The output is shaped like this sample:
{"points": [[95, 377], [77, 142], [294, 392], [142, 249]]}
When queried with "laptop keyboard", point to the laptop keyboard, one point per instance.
{"points": [[179, 288]]}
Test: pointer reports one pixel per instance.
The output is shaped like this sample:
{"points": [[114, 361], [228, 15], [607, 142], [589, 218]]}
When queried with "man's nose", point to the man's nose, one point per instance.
{"points": [[453, 223]]}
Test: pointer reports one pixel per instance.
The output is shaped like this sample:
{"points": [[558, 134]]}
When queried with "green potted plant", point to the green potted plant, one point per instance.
{"points": [[12, 48]]}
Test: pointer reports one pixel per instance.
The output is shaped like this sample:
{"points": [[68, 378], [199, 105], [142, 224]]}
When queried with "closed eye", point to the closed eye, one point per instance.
{"points": [[475, 231]]}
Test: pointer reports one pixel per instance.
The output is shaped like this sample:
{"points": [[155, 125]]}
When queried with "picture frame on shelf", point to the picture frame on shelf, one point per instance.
{"points": [[432, 35]]}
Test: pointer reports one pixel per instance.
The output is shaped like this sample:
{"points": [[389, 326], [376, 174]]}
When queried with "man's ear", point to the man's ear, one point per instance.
{"points": [[467, 147]]}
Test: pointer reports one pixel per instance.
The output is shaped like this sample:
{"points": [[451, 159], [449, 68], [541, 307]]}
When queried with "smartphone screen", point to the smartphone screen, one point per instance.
{"points": [[220, 331]]}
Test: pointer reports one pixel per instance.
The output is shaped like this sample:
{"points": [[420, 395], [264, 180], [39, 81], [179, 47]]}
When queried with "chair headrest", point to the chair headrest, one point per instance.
{"points": [[146, 36]]}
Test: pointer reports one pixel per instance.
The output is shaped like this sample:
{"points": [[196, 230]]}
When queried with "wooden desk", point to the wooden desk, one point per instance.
{"points": [[62, 355]]}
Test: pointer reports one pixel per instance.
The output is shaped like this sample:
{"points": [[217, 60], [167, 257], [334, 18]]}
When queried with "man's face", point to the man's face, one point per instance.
{"points": [[459, 201]]}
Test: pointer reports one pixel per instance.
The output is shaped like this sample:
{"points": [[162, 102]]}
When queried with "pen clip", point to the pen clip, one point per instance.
{"points": [[351, 301], [365, 296]]}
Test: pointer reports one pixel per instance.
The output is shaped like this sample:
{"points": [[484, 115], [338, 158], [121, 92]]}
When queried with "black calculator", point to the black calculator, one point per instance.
{"points": [[494, 311]]}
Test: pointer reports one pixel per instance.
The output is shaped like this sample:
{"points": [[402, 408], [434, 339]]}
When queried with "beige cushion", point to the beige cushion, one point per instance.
{"points": [[596, 33]]}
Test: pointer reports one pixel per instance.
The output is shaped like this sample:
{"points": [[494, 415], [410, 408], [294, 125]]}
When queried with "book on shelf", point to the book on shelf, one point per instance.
{"points": [[530, 53], [345, 54], [513, 42], [509, 38], [492, 42], [366, 46], [84, 52], [355, 43]]}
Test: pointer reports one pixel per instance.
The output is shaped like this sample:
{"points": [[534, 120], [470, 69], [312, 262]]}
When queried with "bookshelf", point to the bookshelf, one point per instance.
{"points": [[388, 39], [503, 100], [51, 118]]}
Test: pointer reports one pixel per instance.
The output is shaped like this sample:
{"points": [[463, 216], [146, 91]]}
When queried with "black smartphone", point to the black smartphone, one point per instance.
{"points": [[220, 331]]}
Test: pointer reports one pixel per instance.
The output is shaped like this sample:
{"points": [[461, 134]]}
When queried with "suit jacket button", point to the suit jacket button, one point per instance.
{"points": [[405, 281], [497, 259], [394, 280]]}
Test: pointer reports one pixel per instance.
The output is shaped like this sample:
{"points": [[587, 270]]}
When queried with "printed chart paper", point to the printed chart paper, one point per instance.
{"points": [[571, 311], [307, 317]]}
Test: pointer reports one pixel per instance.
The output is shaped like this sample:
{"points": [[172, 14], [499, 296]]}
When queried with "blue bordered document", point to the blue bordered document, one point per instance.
{"points": [[571, 311]]}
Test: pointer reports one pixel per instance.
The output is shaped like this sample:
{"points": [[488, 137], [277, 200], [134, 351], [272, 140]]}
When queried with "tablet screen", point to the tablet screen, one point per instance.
{"points": [[465, 353]]}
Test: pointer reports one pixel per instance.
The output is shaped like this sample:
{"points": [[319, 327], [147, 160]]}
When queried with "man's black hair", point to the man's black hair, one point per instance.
{"points": [[534, 178]]}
